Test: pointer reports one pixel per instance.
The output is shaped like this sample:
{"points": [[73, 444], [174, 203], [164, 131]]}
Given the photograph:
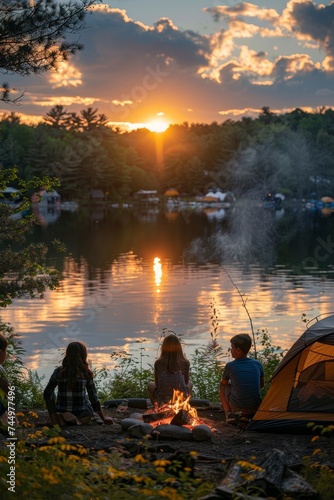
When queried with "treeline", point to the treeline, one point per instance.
{"points": [[291, 153]]}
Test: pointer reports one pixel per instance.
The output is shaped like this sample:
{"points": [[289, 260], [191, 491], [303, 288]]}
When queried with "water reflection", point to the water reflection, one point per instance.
{"points": [[108, 298], [157, 272]]}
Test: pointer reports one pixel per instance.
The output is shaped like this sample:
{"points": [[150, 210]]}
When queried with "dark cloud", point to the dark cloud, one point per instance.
{"points": [[315, 21]]}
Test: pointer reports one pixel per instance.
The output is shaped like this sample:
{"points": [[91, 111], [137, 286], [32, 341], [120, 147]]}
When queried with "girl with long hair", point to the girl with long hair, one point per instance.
{"points": [[171, 372], [76, 399]]}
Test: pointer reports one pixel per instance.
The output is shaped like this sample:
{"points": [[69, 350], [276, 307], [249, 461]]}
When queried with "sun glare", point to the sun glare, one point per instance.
{"points": [[157, 126]]}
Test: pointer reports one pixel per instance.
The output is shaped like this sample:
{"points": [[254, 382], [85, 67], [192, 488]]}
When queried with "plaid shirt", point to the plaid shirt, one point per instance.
{"points": [[83, 396]]}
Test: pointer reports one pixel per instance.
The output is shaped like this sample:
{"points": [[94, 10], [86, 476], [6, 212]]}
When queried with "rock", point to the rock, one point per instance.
{"points": [[136, 416], [114, 403], [202, 433], [140, 430], [174, 432], [140, 403], [126, 423]]}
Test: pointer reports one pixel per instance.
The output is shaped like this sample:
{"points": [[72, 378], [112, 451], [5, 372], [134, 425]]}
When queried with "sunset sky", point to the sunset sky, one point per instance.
{"points": [[192, 60]]}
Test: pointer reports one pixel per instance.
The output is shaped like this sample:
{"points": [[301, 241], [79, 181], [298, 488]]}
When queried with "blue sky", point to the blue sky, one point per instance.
{"points": [[192, 60]]}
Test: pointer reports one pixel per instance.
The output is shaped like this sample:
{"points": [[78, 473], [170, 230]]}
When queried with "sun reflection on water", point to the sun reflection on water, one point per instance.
{"points": [[157, 268]]}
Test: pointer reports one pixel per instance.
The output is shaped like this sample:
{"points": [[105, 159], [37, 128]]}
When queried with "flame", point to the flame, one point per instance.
{"points": [[177, 403]]}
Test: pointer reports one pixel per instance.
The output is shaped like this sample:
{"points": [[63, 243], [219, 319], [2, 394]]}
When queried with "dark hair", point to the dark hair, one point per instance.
{"points": [[75, 365], [172, 356], [3, 342], [243, 341]]}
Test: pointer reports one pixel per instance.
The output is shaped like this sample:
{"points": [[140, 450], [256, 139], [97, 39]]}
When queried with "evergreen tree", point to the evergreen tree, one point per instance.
{"points": [[33, 35]]}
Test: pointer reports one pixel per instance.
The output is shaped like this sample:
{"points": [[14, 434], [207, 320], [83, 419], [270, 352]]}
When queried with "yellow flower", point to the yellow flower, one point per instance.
{"points": [[57, 439], [26, 424], [317, 451], [161, 463], [193, 454], [81, 449], [140, 459], [19, 414], [139, 479], [187, 469], [3, 459], [68, 447], [315, 438], [33, 414], [249, 466], [160, 469], [74, 457]]}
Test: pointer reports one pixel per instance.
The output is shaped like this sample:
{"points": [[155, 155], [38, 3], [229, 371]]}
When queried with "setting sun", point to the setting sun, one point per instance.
{"points": [[157, 126]]}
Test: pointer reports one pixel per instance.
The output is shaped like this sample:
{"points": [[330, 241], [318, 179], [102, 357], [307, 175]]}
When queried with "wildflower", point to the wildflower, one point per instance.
{"points": [[33, 414], [57, 439], [73, 457], [249, 466], [19, 414], [26, 424], [81, 449], [68, 447], [140, 459], [318, 450], [193, 454], [161, 463]]}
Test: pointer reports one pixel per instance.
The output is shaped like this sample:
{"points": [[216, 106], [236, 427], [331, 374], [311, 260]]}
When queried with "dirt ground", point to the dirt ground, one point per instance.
{"points": [[228, 442]]}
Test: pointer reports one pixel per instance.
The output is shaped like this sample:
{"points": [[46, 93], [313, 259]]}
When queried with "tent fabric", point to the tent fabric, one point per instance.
{"points": [[302, 386]]}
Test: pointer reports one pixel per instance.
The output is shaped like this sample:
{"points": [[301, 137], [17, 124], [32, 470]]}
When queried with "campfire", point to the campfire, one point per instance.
{"points": [[178, 411]]}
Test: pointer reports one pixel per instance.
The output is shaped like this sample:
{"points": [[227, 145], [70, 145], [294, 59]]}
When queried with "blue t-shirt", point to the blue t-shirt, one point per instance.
{"points": [[244, 375]]}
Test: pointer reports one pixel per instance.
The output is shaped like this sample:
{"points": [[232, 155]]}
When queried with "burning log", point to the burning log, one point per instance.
{"points": [[181, 418], [155, 416]]}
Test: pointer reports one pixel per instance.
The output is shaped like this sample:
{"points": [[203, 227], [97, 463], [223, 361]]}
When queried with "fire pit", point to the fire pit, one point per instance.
{"points": [[176, 419]]}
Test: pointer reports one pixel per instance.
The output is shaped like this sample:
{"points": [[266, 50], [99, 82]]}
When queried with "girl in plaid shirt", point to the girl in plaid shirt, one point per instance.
{"points": [[76, 399]]}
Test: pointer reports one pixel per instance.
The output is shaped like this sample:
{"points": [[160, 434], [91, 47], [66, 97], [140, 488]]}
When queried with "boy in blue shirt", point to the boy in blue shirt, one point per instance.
{"points": [[242, 380]]}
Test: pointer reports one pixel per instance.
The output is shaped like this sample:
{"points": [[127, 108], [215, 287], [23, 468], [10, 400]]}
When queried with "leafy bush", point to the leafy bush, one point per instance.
{"points": [[269, 355], [27, 383]]}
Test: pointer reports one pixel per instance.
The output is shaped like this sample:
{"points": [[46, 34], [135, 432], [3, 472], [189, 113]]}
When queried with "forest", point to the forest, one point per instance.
{"points": [[291, 153]]}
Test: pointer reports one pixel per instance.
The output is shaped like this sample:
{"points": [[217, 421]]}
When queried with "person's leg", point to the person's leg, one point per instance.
{"points": [[189, 387], [71, 419], [85, 417], [150, 389]]}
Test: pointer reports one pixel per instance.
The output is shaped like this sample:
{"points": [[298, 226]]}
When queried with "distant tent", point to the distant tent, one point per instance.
{"points": [[171, 192], [302, 387]]}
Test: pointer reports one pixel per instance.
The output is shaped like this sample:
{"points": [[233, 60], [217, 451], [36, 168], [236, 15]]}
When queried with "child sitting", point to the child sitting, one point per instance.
{"points": [[77, 396], [171, 372], [240, 387]]}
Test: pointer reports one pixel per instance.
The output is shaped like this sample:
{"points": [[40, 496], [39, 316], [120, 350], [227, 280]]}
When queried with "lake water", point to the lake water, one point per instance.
{"points": [[128, 274]]}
